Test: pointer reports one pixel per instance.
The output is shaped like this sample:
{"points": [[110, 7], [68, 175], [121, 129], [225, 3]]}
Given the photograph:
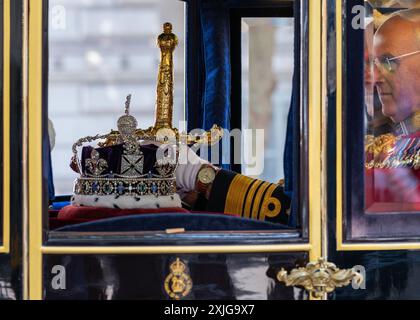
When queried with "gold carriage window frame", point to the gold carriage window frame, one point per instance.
{"points": [[36, 121], [5, 241]]}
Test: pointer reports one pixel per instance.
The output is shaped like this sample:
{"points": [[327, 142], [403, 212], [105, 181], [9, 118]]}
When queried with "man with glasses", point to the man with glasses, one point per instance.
{"points": [[396, 75], [397, 69], [377, 122]]}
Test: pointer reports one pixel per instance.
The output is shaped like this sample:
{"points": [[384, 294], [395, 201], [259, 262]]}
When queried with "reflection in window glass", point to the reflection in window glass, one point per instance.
{"points": [[392, 100], [267, 72], [100, 51]]}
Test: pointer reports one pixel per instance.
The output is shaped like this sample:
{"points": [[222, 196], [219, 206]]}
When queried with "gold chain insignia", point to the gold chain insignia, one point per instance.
{"points": [[319, 278], [178, 284]]}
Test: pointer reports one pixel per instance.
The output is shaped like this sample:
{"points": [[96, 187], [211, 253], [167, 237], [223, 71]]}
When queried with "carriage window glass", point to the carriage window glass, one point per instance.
{"points": [[100, 51], [392, 86], [115, 101], [267, 73]]}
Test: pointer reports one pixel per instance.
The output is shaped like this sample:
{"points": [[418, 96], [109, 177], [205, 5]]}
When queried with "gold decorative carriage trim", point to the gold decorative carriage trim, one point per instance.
{"points": [[320, 278]]}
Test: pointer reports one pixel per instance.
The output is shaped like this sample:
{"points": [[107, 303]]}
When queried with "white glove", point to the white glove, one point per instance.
{"points": [[188, 167], [189, 163]]}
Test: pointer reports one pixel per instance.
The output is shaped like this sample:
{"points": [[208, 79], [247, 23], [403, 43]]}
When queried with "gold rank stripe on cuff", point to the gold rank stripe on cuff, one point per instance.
{"points": [[258, 199], [236, 194], [251, 198], [264, 210]]}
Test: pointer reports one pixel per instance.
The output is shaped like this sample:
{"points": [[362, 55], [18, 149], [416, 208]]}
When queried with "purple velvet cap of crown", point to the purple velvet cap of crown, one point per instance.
{"points": [[113, 154]]}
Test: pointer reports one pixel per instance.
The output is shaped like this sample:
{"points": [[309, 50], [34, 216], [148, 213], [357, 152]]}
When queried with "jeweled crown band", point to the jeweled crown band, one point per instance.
{"points": [[132, 187]]}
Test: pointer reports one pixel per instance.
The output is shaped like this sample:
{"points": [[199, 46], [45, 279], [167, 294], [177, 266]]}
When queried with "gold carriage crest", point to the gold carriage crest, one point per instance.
{"points": [[178, 284]]}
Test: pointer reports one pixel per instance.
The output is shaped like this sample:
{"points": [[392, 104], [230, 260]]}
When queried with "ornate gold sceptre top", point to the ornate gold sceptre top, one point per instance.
{"points": [[163, 130], [167, 42]]}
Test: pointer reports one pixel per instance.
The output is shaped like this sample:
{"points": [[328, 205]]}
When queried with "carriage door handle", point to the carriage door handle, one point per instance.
{"points": [[320, 278]]}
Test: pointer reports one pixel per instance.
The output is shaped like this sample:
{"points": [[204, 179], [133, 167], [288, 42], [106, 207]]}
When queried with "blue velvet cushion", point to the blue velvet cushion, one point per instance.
{"points": [[58, 205], [163, 221]]}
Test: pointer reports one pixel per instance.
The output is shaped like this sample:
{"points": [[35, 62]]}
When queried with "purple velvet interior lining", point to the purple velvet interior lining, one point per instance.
{"points": [[113, 156]]}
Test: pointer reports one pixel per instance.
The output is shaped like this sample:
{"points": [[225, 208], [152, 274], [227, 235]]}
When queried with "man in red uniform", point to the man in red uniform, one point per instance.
{"points": [[395, 165]]}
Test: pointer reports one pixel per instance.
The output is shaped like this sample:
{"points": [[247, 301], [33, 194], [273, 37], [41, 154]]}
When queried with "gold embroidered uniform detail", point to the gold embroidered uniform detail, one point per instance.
{"points": [[258, 199], [415, 120], [269, 201], [382, 144], [250, 197], [236, 194], [388, 151]]}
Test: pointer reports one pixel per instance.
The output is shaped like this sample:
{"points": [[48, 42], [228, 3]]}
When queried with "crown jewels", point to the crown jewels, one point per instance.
{"points": [[122, 163], [126, 174]]}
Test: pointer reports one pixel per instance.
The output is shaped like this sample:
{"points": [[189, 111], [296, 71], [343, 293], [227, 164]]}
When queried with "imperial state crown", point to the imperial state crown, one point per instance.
{"points": [[131, 167]]}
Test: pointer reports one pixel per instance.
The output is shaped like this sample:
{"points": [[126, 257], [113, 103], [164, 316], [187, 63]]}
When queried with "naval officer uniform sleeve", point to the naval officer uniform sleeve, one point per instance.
{"points": [[239, 195]]}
